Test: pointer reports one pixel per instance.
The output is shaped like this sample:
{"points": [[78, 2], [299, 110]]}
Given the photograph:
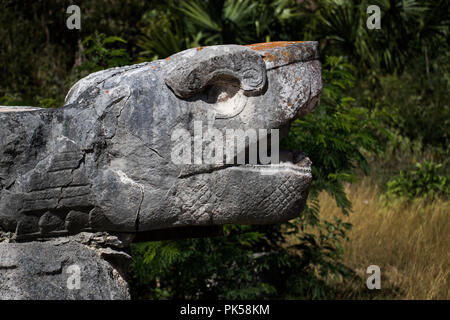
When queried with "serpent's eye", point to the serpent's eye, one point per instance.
{"points": [[226, 97]]}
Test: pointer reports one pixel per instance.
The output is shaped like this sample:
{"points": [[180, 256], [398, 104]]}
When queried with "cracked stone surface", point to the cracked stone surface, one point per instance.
{"points": [[103, 161], [45, 270]]}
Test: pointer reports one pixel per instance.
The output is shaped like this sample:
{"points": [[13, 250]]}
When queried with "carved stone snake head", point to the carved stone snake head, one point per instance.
{"points": [[109, 160]]}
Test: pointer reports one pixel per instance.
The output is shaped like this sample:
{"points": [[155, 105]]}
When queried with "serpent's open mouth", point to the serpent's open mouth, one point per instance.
{"points": [[287, 161]]}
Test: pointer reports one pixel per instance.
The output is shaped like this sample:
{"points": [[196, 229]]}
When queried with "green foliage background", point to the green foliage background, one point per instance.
{"points": [[385, 100]]}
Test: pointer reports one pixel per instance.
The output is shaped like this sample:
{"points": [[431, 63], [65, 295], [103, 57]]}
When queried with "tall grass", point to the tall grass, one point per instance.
{"points": [[410, 242]]}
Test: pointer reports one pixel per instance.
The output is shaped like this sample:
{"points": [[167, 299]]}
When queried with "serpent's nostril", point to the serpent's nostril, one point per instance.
{"points": [[222, 91]]}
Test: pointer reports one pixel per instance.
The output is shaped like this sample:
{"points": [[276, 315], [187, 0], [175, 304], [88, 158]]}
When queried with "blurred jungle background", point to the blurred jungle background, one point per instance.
{"points": [[378, 140]]}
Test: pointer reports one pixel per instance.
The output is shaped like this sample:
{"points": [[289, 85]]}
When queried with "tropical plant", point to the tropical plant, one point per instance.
{"points": [[216, 268], [426, 181], [401, 74], [102, 52]]}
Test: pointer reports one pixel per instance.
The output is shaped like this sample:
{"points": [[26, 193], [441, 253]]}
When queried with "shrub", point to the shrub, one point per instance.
{"points": [[102, 52], [425, 181]]}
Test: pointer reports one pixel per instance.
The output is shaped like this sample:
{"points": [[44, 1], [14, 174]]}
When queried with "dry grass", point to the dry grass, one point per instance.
{"points": [[409, 242]]}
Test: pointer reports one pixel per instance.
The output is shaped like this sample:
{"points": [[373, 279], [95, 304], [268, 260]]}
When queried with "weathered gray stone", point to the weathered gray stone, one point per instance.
{"points": [[188, 76], [106, 154]]}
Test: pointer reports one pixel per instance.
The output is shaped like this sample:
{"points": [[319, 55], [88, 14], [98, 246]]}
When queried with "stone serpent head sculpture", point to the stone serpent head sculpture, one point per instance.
{"points": [[104, 161]]}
